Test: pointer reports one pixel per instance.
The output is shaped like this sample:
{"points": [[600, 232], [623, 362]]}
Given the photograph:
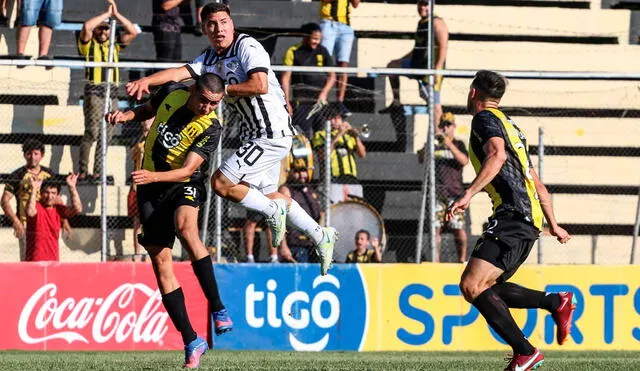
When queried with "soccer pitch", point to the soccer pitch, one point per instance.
{"points": [[331, 361]]}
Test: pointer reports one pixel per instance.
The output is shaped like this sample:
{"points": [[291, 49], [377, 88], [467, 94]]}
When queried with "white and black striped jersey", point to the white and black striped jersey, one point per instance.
{"points": [[262, 115]]}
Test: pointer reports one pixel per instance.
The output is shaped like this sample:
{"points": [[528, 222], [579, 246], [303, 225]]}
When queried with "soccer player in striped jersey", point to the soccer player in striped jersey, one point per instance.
{"points": [[250, 175]]}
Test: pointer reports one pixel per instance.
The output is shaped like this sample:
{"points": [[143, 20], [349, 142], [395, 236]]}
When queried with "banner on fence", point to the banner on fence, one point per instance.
{"points": [[415, 307], [98, 306], [116, 306]]}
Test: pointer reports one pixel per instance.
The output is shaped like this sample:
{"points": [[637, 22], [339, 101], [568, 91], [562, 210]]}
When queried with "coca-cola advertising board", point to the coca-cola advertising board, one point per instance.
{"points": [[96, 306]]}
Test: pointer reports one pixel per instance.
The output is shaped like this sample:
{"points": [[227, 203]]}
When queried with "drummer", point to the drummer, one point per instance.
{"points": [[345, 146], [362, 253]]}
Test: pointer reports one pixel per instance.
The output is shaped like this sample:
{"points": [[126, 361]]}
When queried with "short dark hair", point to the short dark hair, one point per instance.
{"points": [[31, 144], [211, 82], [309, 28], [365, 232], [212, 8], [50, 183], [489, 84]]}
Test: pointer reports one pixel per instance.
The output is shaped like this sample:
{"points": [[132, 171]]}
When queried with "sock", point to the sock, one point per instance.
{"points": [[274, 258], [174, 304], [497, 314], [256, 201], [299, 218], [203, 269], [516, 296], [250, 258]]}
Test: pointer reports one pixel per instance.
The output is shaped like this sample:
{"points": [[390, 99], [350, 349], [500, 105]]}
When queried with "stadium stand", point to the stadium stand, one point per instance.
{"points": [[591, 128]]}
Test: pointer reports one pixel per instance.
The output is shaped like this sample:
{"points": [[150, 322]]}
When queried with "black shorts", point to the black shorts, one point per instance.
{"points": [[157, 205], [506, 243]]}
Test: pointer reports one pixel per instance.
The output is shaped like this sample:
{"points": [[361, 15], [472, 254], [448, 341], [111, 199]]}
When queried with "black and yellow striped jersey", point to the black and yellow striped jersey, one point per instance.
{"points": [[336, 10], [343, 155], [176, 131], [513, 189], [94, 51]]}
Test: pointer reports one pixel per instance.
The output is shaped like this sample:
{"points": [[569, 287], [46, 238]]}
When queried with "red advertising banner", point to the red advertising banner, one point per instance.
{"points": [[96, 306]]}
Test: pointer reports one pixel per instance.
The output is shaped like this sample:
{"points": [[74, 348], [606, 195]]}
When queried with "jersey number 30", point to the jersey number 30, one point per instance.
{"points": [[251, 153]]}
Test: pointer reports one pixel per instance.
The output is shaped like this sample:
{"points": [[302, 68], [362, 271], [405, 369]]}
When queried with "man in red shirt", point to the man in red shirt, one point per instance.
{"points": [[43, 217]]}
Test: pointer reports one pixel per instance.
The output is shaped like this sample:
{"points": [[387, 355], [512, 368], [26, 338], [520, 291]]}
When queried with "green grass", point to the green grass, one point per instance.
{"points": [[332, 361]]}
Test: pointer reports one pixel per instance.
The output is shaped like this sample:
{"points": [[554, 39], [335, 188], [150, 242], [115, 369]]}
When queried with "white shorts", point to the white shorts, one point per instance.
{"points": [[257, 163]]}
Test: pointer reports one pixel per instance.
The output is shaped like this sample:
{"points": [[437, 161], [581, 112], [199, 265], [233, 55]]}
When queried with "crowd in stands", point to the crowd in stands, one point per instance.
{"points": [[324, 44]]}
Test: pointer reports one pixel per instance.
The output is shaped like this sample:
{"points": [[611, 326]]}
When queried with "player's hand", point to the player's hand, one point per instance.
{"points": [[117, 117], [18, 229], [138, 88], [560, 233], [459, 206], [289, 109], [72, 180], [141, 177]]}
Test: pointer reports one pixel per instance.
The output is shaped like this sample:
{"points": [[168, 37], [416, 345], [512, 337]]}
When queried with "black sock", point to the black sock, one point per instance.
{"points": [[516, 296], [174, 304], [497, 314], [203, 269]]}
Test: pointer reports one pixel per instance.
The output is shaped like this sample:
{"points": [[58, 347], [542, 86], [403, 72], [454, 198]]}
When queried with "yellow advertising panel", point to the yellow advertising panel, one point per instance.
{"points": [[419, 307]]}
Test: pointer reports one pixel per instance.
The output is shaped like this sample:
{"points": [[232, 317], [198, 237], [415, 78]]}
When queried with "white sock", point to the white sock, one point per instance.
{"points": [[256, 201], [250, 258], [299, 218]]}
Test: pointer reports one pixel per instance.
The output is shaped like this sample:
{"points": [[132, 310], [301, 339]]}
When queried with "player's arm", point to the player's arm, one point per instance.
{"points": [[190, 165], [442, 39], [130, 31], [256, 84], [140, 113], [285, 82], [139, 87], [547, 209], [495, 158]]}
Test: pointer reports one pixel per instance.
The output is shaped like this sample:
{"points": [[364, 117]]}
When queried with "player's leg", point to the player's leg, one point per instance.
{"points": [[275, 211], [476, 285], [186, 226], [157, 237]]}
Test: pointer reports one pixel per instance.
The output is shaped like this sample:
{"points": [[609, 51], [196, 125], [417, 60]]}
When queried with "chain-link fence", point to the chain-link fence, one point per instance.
{"points": [[591, 157]]}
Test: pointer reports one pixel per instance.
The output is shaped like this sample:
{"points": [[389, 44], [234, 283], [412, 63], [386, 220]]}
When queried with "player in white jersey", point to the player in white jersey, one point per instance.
{"points": [[249, 176]]}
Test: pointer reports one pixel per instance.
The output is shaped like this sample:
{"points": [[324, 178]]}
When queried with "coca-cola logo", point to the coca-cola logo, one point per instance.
{"points": [[113, 317]]}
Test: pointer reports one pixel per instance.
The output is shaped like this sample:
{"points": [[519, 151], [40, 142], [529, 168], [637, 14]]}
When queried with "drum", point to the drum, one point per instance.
{"points": [[348, 217], [300, 156]]}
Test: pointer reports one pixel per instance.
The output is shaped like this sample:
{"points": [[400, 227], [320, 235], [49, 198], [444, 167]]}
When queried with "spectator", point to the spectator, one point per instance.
{"points": [[362, 253], [249, 234], [345, 146], [338, 37], [296, 244], [167, 24], [93, 44], [417, 58], [309, 90], [19, 185], [44, 217], [450, 158], [47, 14]]}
